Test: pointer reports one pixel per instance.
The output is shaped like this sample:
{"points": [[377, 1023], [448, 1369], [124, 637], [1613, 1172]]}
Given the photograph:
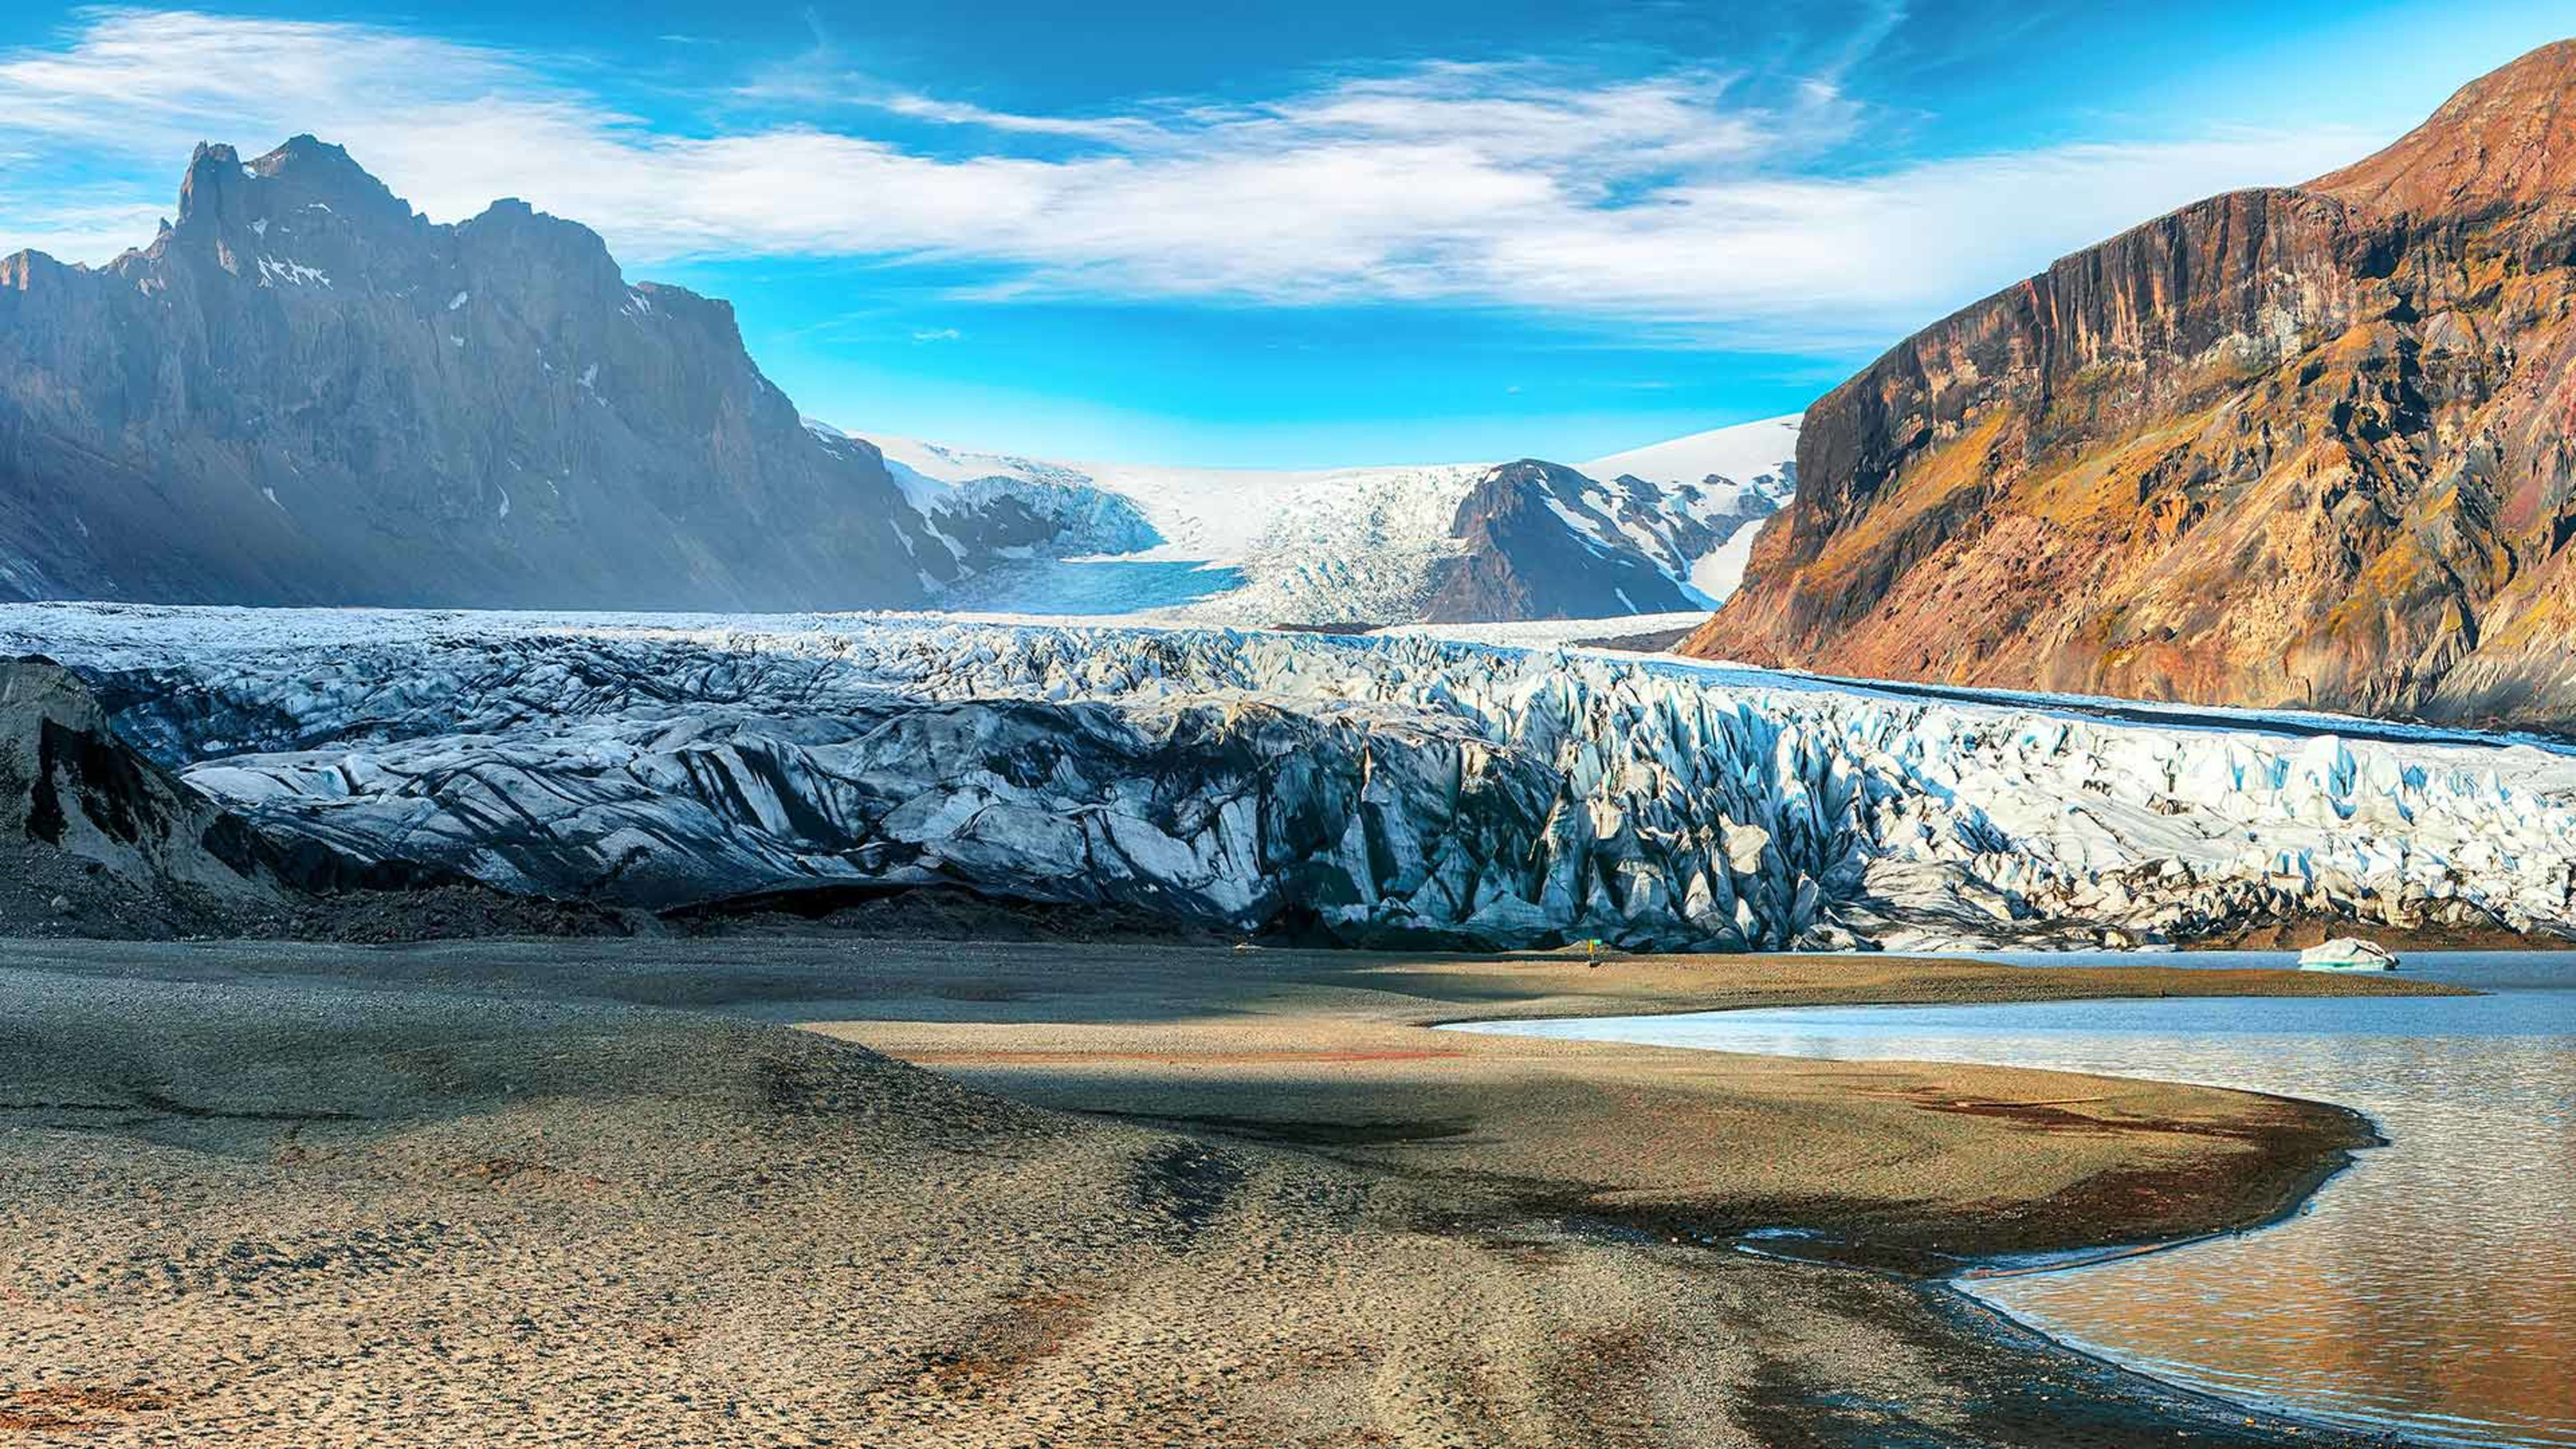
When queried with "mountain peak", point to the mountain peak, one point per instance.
{"points": [[319, 170], [312, 160], [221, 188], [214, 173], [306, 392], [2507, 138]]}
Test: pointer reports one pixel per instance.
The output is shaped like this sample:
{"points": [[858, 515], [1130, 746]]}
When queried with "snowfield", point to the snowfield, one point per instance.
{"points": [[1353, 544], [1303, 547], [1753, 458], [1745, 454], [1381, 789]]}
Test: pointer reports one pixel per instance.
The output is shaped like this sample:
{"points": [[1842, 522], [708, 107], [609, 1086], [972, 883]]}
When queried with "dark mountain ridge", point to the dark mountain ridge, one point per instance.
{"points": [[302, 392]]}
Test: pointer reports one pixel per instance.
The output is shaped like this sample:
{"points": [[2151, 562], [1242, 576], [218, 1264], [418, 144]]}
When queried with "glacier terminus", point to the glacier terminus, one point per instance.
{"points": [[1371, 790]]}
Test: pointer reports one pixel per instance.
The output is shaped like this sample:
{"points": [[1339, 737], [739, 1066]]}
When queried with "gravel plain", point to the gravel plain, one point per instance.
{"points": [[602, 1192]]}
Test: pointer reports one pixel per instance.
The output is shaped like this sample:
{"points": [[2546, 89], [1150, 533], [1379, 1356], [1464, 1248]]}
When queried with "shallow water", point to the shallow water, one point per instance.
{"points": [[2431, 1290]]}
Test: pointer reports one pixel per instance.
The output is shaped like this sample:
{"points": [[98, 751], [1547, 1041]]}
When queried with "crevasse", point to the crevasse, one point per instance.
{"points": [[1380, 790]]}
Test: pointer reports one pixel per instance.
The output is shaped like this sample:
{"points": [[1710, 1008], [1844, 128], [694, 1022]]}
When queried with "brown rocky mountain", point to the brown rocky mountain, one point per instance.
{"points": [[302, 392], [2301, 446]]}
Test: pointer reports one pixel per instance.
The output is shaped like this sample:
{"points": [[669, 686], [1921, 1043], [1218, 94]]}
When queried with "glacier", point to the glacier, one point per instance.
{"points": [[1256, 547], [1376, 790]]}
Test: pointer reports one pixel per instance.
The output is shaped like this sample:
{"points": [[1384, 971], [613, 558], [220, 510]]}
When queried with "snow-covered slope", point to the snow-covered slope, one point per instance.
{"points": [[1228, 515], [1381, 789], [1317, 546], [1742, 475], [1745, 454], [1369, 544]]}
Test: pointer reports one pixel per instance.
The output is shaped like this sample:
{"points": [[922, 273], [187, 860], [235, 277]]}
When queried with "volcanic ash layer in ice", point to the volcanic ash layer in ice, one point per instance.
{"points": [[1385, 790]]}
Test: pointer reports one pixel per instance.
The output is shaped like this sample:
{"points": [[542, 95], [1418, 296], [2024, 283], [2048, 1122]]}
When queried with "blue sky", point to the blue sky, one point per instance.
{"points": [[1337, 231]]}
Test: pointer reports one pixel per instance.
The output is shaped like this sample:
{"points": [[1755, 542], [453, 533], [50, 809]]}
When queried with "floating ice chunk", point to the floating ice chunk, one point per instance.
{"points": [[2348, 953]]}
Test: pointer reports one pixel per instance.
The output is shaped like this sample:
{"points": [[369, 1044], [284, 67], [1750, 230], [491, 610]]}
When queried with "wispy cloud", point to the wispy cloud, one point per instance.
{"points": [[80, 221], [1673, 200], [1124, 131], [937, 334]]}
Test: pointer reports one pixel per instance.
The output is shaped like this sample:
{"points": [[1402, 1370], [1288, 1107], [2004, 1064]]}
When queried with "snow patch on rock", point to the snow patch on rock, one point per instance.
{"points": [[274, 272]]}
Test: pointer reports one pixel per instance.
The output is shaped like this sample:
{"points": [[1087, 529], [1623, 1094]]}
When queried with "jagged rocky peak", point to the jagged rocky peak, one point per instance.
{"points": [[214, 173], [304, 392], [303, 178], [2290, 446], [510, 230], [318, 165]]}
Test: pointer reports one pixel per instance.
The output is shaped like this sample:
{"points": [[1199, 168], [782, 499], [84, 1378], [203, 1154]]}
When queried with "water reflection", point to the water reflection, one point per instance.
{"points": [[2432, 1289]]}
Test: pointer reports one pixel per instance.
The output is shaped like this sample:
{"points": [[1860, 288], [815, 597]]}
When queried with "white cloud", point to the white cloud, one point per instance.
{"points": [[1667, 200], [937, 334], [1113, 130]]}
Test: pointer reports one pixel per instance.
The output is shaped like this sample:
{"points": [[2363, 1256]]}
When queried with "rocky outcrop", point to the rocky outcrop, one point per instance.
{"points": [[2303, 446], [1541, 541], [1370, 791], [302, 392], [67, 783], [99, 840]]}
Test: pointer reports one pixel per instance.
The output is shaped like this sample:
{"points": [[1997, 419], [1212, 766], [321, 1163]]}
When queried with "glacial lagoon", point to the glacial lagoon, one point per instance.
{"points": [[2429, 1291]]}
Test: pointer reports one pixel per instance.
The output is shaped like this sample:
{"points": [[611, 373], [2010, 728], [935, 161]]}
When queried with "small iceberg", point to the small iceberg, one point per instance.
{"points": [[2348, 953]]}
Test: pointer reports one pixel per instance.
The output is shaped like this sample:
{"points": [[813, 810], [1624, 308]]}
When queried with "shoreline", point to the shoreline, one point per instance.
{"points": [[1953, 1288], [1951, 1291], [2301, 933], [2330, 1155], [1251, 1187], [2319, 1156], [2179, 1398]]}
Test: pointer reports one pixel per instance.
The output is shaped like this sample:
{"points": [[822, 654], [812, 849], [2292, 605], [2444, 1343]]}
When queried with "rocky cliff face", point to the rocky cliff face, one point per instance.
{"points": [[302, 392], [2300, 446]]}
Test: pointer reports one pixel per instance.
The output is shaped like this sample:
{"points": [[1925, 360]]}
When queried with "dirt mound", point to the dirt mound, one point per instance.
{"points": [[96, 839]]}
